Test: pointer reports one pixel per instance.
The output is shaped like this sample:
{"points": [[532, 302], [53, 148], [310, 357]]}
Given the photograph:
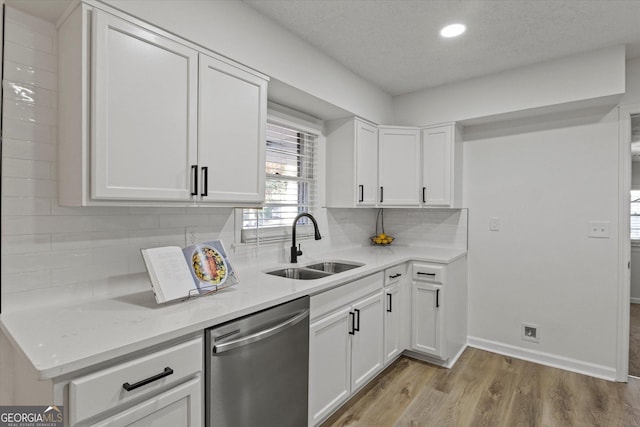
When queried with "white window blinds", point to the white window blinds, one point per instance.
{"points": [[290, 186], [635, 214]]}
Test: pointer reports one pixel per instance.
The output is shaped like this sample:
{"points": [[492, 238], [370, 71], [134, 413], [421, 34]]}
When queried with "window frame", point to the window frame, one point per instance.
{"points": [[283, 116]]}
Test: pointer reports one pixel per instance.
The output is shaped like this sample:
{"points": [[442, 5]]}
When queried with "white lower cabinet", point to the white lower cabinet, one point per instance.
{"points": [[178, 407], [397, 311], [163, 388], [439, 310], [427, 318], [329, 364], [366, 340], [346, 345]]}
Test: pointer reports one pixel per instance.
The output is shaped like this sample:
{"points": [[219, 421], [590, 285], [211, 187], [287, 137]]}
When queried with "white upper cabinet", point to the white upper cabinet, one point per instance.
{"points": [[231, 132], [146, 118], [366, 162], [352, 163], [393, 166], [144, 113], [441, 166], [399, 166]]}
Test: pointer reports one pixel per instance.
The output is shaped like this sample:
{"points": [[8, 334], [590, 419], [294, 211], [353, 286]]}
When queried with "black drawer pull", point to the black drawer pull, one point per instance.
{"points": [[381, 194], [361, 198], [395, 276], [390, 300], [167, 371], [437, 298], [424, 194], [426, 274]]}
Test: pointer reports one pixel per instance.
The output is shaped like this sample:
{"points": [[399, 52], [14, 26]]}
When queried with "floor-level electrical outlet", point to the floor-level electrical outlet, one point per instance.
{"points": [[530, 332]]}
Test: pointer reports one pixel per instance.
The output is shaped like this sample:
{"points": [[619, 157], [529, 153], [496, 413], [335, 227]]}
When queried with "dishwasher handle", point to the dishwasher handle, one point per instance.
{"points": [[265, 333]]}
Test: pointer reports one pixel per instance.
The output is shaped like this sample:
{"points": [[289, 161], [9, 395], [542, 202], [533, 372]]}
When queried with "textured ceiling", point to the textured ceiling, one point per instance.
{"points": [[395, 44]]}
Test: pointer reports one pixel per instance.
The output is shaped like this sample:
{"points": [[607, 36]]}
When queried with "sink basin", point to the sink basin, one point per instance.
{"points": [[299, 273], [334, 266]]}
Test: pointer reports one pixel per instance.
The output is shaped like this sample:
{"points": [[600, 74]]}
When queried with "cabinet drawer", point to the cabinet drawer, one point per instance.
{"points": [[335, 298], [394, 274], [429, 272], [95, 393]]}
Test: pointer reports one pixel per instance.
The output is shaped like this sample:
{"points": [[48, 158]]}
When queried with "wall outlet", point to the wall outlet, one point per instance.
{"points": [[530, 332], [494, 224], [190, 236], [599, 229]]}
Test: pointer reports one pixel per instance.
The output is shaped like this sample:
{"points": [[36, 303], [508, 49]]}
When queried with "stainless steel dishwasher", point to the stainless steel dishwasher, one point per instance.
{"points": [[257, 369]]}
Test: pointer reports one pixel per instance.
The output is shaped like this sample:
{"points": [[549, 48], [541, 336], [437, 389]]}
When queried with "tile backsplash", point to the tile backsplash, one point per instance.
{"points": [[52, 253]]}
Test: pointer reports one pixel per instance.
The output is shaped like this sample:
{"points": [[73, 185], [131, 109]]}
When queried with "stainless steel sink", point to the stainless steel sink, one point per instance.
{"points": [[299, 273], [334, 266], [317, 270]]}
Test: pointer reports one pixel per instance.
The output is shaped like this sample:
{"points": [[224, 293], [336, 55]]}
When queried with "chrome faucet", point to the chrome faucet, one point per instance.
{"points": [[296, 251]]}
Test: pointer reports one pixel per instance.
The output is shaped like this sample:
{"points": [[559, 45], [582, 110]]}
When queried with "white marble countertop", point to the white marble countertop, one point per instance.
{"points": [[63, 339]]}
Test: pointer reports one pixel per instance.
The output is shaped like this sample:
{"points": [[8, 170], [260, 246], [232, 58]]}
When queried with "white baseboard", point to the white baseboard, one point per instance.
{"points": [[555, 361], [635, 300], [434, 360]]}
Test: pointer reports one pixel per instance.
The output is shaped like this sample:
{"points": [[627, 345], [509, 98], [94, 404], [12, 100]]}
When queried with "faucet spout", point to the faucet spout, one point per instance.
{"points": [[296, 251]]}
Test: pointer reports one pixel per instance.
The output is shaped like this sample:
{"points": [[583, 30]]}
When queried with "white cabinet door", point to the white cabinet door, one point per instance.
{"points": [[144, 100], [180, 406], [367, 342], [426, 334], [231, 133], [329, 364], [437, 166], [366, 163], [392, 322], [399, 163]]}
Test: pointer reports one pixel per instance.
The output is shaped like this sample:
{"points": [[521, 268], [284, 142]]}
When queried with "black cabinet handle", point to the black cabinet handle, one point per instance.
{"points": [[194, 172], [437, 298], [390, 300], [395, 276], [426, 274], [353, 323], [381, 194], [424, 194], [361, 190], [357, 327], [205, 181], [167, 371]]}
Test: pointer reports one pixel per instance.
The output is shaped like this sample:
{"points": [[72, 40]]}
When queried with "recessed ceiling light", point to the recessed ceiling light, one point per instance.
{"points": [[453, 30]]}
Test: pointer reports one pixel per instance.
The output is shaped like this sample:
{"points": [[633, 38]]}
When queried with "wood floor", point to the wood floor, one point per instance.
{"points": [[487, 389], [634, 341]]}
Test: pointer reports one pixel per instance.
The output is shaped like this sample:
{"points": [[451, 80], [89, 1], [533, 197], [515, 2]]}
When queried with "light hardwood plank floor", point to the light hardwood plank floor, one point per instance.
{"points": [[487, 389]]}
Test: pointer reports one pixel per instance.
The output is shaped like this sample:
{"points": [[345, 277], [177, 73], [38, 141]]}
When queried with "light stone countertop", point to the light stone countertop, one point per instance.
{"points": [[63, 339]]}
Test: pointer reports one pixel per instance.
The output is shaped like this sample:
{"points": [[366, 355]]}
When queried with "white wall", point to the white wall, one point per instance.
{"points": [[545, 176], [567, 80], [545, 184], [632, 94], [234, 29]]}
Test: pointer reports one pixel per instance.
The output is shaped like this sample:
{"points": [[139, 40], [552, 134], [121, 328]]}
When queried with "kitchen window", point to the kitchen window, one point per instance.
{"points": [[635, 215], [290, 186]]}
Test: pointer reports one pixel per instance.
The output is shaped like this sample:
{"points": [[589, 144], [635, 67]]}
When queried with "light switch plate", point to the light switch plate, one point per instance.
{"points": [[599, 229], [494, 224]]}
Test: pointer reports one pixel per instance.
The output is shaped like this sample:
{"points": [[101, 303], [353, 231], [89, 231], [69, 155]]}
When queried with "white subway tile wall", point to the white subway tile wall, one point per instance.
{"points": [[52, 254]]}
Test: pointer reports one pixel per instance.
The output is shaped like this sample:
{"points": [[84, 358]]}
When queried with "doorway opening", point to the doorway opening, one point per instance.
{"points": [[634, 223]]}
